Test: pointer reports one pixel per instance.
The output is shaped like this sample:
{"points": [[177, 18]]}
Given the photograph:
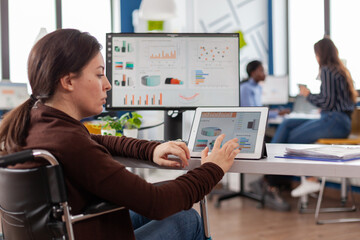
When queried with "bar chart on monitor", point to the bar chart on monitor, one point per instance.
{"points": [[144, 99], [156, 55]]}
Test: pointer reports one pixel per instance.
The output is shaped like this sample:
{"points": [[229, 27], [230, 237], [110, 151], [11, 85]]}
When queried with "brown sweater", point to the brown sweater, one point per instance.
{"points": [[91, 173]]}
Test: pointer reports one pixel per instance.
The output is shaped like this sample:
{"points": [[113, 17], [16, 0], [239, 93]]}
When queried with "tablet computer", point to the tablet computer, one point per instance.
{"points": [[247, 124]]}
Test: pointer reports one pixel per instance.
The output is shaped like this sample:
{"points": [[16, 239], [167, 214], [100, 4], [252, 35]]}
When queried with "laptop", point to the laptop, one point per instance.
{"points": [[301, 105], [247, 124]]}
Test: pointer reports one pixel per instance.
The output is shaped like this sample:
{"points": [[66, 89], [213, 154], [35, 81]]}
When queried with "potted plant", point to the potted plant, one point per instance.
{"points": [[112, 126], [131, 122]]}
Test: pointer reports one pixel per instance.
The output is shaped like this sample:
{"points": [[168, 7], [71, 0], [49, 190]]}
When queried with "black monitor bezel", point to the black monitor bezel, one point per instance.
{"points": [[109, 37]]}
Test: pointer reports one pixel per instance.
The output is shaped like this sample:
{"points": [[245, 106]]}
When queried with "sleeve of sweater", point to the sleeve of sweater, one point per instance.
{"points": [[127, 147], [106, 178]]}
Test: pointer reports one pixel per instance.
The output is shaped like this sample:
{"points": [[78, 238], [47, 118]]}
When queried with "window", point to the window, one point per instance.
{"points": [[344, 14], [96, 19], [306, 27], [26, 18]]}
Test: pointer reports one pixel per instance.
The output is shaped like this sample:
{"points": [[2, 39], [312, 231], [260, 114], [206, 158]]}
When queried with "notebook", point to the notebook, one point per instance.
{"points": [[247, 124]]}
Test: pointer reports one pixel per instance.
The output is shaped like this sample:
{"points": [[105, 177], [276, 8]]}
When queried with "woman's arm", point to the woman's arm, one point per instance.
{"points": [[99, 174], [327, 96], [127, 147]]}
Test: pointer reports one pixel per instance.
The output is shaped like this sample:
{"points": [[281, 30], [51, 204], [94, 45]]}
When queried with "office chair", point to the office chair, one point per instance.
{"points": [[345, 184], [33, 202], [353, 139], [345, 188]]}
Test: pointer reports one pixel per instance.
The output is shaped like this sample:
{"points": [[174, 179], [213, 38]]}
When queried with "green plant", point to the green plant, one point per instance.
{"points": [[131, 120], [111, 122]]}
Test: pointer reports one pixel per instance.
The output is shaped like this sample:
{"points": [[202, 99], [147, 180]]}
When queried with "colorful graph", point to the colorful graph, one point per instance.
{"points": [[163, 53], [201, 143], [211, 131], [146, 99], [244, 142], [173, 81], [150, 81], [119, 65], [200, 76], [125, 81], [129, 65], [212, 53], [189, 98]]}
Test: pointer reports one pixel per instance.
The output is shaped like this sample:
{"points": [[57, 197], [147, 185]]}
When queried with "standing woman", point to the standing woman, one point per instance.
{"points": [[66, 74], [337, 100]]}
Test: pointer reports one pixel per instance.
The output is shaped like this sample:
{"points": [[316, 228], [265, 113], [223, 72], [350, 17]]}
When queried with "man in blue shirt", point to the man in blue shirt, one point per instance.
{"points": [[250, 90], [250, 96]]}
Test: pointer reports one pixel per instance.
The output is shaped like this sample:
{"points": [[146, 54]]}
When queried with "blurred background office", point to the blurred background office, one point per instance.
{"points": [[275, 32]]}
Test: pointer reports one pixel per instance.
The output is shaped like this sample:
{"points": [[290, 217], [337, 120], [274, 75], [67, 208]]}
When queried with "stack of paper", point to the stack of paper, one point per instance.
{"points": [[325, 152]]}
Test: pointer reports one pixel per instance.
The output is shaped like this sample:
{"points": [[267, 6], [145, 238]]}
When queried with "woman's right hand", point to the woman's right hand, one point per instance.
{"points": [[221, 156], [304, 91]]}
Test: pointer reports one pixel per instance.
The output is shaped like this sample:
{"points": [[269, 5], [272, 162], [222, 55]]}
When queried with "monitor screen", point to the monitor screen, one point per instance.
{"points": [[275, 90], [172, 71]]}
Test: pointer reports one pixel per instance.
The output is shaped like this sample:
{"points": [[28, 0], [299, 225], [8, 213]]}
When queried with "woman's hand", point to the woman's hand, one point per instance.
{"points": [[221, 156], [304, 91], [179, 149]]}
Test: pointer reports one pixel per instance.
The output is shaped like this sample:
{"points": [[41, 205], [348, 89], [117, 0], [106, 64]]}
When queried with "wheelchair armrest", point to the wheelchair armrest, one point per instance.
{"points": [[27, 155], [94, 210], [100, 207], [15, 158]]}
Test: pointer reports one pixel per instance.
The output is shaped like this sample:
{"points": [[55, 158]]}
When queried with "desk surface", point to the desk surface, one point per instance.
{"points": [[279, 119], [272, 165]]}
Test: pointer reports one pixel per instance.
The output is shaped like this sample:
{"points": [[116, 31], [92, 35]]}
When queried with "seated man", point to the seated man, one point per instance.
{"points": [[250, 96]]}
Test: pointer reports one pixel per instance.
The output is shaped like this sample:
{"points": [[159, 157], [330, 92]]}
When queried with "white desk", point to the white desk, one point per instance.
{"points": [[272, 165], [279, 119]]}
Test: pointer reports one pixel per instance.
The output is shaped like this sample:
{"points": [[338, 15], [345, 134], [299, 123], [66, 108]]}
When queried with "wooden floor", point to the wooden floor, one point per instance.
{"points": [[240, 218]]}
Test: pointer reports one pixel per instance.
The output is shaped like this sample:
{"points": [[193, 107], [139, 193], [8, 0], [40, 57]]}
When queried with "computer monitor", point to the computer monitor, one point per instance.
{"points": [[166, 71], [172, 71], [275, 90], [12, 94]]}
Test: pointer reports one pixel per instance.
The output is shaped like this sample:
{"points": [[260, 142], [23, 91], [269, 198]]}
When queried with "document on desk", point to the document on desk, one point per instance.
{"points": [[324, 153]]}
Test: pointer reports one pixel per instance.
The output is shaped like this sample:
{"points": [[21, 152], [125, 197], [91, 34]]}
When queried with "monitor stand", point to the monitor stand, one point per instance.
{"points": [[173, 125]]}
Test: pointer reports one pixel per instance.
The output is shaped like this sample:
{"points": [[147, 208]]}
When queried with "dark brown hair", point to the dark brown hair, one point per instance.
{"points": [[55, 55], [328, 55]]}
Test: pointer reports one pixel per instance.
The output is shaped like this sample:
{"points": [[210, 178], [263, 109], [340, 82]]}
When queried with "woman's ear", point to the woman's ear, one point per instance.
{"points": [[67, 82]]}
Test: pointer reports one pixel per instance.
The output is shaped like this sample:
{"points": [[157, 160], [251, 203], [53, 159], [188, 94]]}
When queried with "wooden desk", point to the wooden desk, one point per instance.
{"points": [[272, 165]]}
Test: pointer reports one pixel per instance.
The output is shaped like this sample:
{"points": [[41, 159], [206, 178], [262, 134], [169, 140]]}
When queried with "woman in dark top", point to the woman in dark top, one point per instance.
{"points": [[337, 99], [66, 74]]}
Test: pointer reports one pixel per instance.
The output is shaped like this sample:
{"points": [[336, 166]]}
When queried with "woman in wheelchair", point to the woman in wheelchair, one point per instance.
{"points": [[66, 74]]}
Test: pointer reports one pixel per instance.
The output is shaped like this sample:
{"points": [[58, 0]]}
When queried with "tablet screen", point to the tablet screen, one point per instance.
{"points": [[242, 125], [247, 125]]}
